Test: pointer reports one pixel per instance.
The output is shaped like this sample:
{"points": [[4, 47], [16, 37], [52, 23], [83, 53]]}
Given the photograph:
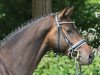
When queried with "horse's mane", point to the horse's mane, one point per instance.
{"points": [[28, 23]]}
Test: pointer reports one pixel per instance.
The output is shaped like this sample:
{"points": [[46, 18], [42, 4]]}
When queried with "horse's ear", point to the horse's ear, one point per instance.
{"points": [[65, 12], [61, 13], [69, 11]]}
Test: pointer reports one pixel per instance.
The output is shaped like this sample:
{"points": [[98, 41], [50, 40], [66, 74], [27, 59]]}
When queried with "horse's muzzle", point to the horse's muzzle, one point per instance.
{"points": [[86, 60]]}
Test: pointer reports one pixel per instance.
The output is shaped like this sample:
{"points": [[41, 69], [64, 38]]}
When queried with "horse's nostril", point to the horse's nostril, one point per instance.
{"points": [[90, 56]]}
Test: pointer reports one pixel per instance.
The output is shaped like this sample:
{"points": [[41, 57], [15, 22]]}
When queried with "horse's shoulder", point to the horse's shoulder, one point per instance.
{"points": [[3, 69]]}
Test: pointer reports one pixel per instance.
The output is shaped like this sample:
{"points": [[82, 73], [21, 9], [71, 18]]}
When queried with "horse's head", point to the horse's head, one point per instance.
{"points": [[64, 38]]}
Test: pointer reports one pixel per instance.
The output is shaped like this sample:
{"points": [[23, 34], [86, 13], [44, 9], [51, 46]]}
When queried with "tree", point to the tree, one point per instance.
{"points": [[41, 8]]}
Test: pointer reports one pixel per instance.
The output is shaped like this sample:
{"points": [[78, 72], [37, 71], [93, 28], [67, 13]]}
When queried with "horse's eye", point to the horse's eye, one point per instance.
{"points": [[69, 31]]}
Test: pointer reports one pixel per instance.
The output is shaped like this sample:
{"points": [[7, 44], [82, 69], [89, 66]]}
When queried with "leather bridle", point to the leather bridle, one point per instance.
{"points": [[72, 48]]}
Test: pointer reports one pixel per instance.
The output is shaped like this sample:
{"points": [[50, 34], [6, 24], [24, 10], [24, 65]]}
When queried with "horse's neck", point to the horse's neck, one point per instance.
{"points": [[26, 50]]}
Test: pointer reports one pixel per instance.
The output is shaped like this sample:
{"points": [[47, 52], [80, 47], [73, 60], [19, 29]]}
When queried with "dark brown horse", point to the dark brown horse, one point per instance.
{"points": [[21, 53]]}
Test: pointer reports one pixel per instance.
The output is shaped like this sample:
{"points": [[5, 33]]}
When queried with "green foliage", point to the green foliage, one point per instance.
{"points": [[85, 20], [12, 14], [62, 65]]}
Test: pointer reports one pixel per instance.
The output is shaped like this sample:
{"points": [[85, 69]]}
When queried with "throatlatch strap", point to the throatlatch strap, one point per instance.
{"points": [[59, 38]]}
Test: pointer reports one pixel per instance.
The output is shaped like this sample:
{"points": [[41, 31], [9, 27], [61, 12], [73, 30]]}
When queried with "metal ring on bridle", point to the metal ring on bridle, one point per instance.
{"points": [[75, 55]]}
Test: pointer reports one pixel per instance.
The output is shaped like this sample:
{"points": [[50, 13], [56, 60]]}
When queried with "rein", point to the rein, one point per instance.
{"points": [[72, 48]]}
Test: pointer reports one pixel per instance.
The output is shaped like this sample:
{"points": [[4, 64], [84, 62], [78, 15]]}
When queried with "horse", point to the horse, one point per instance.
{"points": [[22, 51]]}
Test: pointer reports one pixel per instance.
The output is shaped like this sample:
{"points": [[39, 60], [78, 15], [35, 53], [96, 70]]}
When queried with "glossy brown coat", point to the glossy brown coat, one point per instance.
{"points": [[21, 53]]}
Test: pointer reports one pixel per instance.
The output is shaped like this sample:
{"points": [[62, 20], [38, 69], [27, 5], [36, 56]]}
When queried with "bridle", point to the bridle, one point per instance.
{"points": [[72, 48]]}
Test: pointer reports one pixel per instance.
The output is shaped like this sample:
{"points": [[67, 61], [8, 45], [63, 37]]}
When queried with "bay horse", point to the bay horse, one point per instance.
{"points": [[21, 52]]}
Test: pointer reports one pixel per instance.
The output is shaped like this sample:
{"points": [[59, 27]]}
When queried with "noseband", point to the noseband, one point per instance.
{"points": [[72, 48]]}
